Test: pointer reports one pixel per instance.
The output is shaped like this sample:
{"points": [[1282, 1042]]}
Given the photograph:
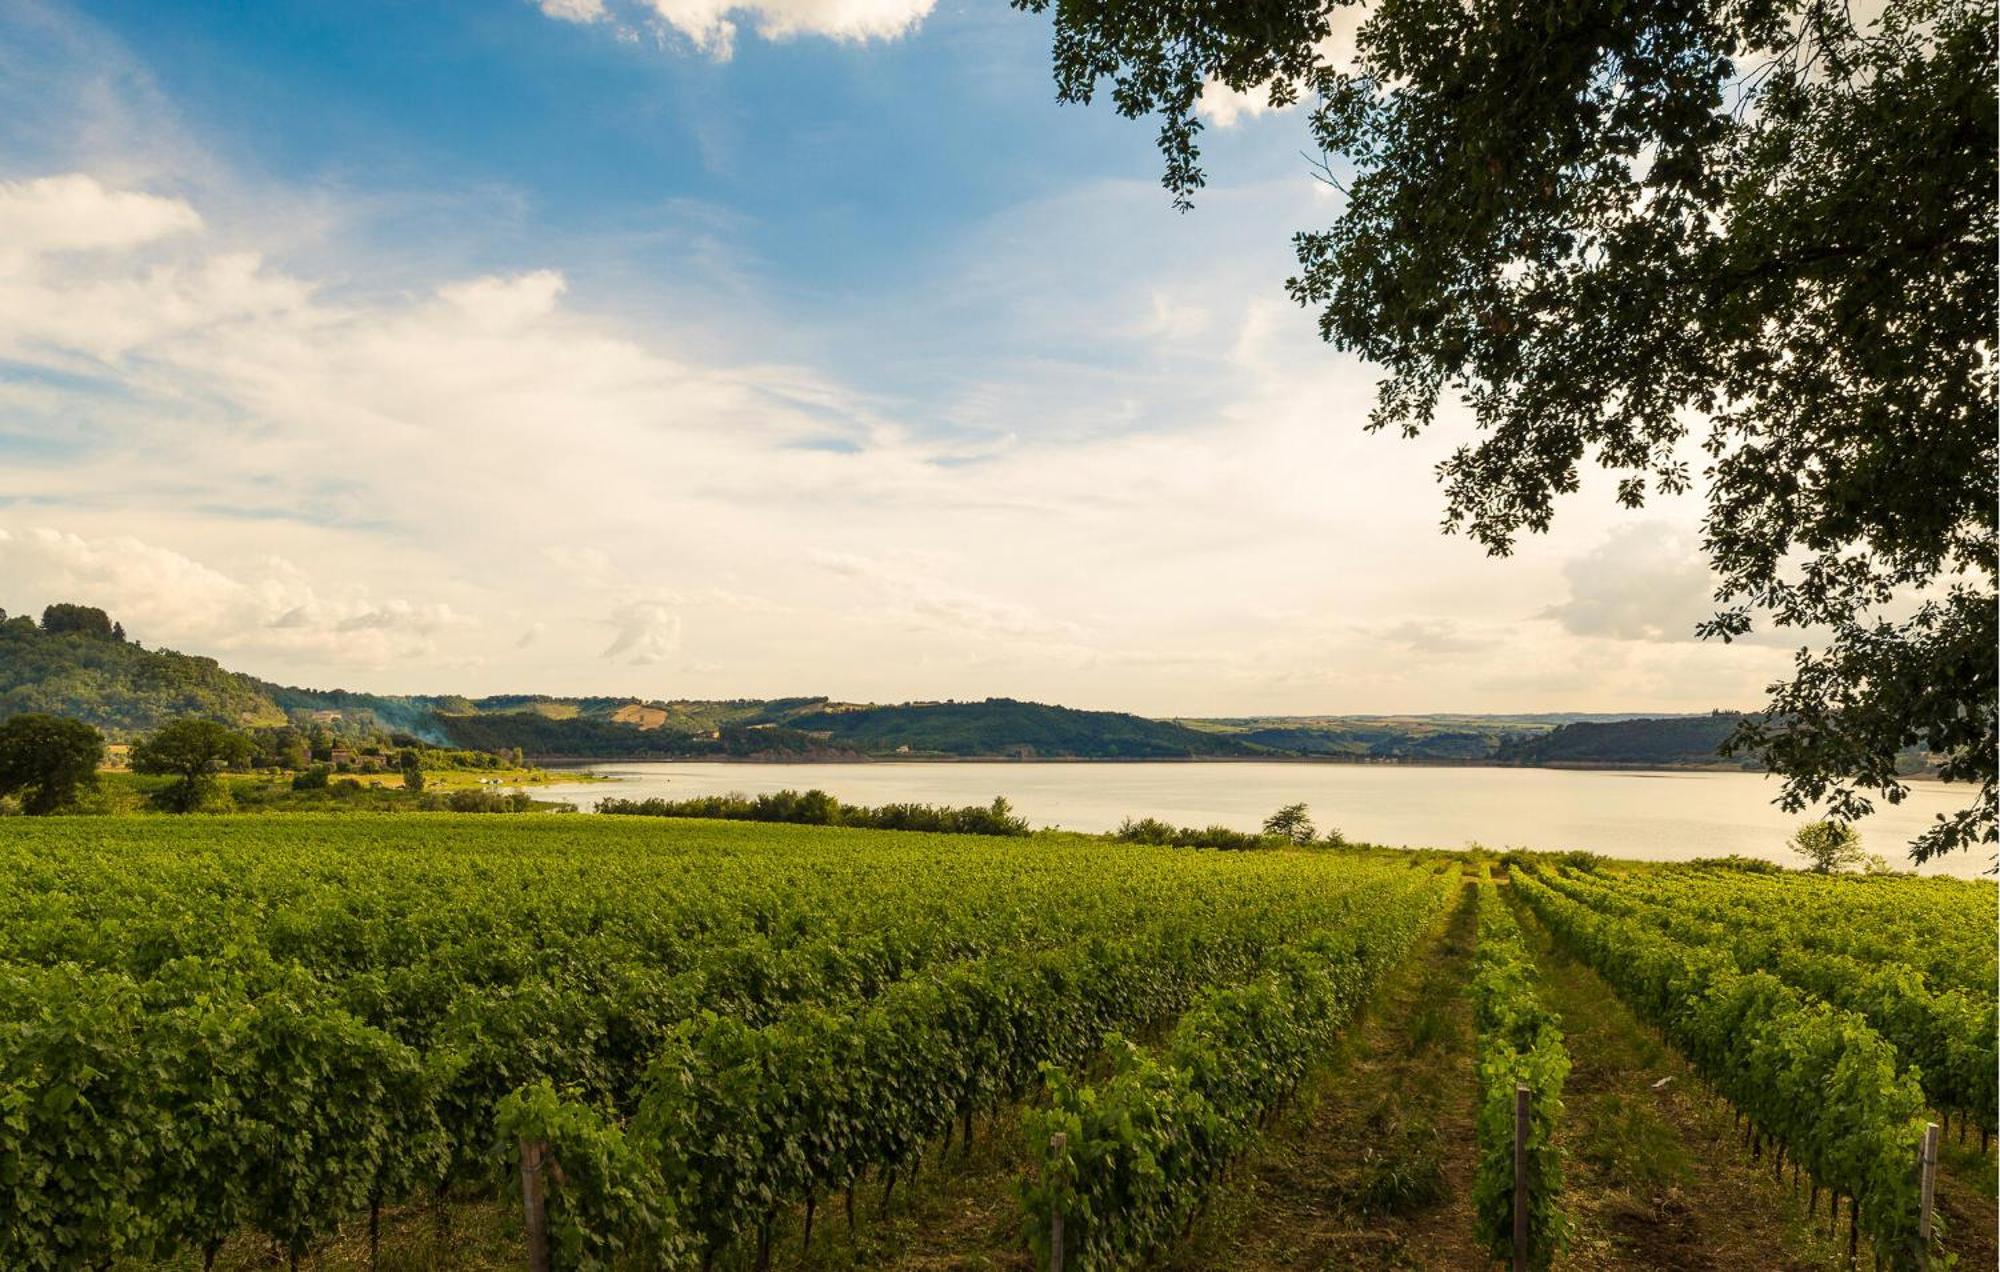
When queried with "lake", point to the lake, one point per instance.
{"points": [[1664, 816]]}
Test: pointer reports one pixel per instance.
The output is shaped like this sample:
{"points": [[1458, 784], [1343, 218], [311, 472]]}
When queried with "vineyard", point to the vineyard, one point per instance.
{"points": [[225, 1041]]}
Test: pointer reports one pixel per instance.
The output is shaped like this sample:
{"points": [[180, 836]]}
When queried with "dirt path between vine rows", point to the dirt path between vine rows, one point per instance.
{"points": [[1373, 1167]]}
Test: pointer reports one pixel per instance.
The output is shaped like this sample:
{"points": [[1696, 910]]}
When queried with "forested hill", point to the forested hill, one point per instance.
{"points": [[86, 668], [1676, 741], [78, 662], [1003, 726]]}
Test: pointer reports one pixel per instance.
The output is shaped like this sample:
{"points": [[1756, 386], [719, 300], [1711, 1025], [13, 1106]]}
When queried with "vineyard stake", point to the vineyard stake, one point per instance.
{"points": [[1057, 1143], [1927, 1160], [1520, 1177], [533, 1208]]}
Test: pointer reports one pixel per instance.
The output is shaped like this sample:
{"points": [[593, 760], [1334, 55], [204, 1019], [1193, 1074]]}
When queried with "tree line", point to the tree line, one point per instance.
{"points": [[49, 762]]}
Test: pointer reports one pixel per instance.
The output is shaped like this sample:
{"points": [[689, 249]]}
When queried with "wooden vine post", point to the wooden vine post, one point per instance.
{"points": [[534, 1206], [1521, 1177], [1057, 1143], [1927, 1160]]}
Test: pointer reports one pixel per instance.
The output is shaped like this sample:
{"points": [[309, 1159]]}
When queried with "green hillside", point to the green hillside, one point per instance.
{"points": [[1003, 726], [106, 680], [1678, 740], [1457, 738]]}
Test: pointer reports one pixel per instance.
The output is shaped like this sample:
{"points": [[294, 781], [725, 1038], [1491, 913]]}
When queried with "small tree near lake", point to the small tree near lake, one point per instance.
{"points": [[1292, 823], [1829, 846]]}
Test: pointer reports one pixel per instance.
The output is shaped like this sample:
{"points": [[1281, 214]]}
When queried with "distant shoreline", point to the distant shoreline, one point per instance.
{"points": [[560, 763], [570, 762]]}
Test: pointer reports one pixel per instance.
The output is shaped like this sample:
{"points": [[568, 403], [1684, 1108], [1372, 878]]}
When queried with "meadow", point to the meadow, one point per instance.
{"points": [[332, 1040]]}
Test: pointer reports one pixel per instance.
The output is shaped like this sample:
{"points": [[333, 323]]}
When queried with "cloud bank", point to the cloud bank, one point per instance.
{"points": [[712, 26]]}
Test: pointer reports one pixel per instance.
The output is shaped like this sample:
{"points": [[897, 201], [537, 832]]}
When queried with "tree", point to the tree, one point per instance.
{"points": [[1829, 846], [1291, 823], [1603, 226], [413, 769], [85, 619], [194, 751], [47, 759]]}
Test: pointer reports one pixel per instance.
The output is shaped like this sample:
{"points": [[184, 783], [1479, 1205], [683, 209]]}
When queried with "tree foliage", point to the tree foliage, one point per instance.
{"points": [[46, 760], [193, 751], [86, 620], [1828, 846], [817, 808], [1293, 822], [117, 686], [1624, 234]]}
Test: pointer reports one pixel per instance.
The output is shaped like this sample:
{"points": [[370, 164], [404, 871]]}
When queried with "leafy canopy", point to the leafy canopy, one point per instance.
{"points": [[1293, 822], [194, 751], [47, 759], [1654, 233], [86, 620], [1828, 846]]}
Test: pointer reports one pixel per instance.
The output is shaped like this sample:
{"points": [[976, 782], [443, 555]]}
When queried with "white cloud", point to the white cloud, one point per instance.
{"points": [[476, 476], [644, 633], [165, 597], [1645, 581], [1435, 636], [74, 212], [713, 25], [1223, 106], [574, 10], [1174, 318]]}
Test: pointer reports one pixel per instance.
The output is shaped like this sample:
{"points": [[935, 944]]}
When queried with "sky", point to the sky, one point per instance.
{"points": [[679, 349]]}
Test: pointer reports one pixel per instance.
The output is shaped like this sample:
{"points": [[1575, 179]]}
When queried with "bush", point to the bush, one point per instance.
{"points": [[474, 800], [1828, 846], [817, 808], [1748, 865], [1151, 830], [1292, 823], [316, 778]]}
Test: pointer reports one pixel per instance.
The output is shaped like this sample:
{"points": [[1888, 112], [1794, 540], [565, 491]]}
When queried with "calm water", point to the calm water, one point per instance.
{"points": [[1662, 816]]}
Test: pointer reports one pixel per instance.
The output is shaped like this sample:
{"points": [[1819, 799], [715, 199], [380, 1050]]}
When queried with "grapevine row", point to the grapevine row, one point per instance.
{"points": [[1941, 927], [267, 1034], [1127, 1165], [1520, 1044], [1946, 1037], [1813, 1080], [738, 1124]]}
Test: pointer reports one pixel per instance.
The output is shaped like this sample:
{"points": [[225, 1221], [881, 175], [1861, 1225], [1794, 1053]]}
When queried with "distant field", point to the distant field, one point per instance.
{"points": [[228, 1037]]}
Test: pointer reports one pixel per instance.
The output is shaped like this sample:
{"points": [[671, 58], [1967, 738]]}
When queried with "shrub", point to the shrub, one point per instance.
{"points": [[1151, 830], [817, 808], [1828, 846]]}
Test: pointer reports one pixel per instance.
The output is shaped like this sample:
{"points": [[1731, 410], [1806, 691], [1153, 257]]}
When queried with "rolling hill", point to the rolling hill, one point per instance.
{"points": [[80, 664]]}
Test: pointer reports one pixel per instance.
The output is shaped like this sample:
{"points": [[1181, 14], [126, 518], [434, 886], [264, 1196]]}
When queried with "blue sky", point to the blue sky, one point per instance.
{"points": [[667, 348]]}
